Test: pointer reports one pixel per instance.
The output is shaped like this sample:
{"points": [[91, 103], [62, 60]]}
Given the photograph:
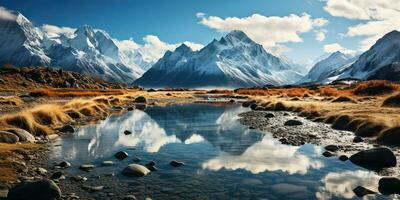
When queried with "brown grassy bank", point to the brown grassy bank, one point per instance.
{"points": [[369, 109]]}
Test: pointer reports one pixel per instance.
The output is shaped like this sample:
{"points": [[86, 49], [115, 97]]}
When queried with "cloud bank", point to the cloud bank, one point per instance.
{"points": [[378, 17], [270, 31]]}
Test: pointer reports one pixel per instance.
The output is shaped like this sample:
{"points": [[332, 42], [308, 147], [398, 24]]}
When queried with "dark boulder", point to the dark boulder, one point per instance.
{"points": [[389, 185], [374, 159], [42, 189], [343, 158], [269, 115], [126, 132], [332, 148], [141, 99]]}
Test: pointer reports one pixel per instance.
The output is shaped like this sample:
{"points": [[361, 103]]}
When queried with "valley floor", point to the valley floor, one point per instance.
{"points": [[370, 110]]}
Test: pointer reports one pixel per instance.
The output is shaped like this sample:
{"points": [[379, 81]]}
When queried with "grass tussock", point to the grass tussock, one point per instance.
{"points": [[344, 99], [392, 101], [11, 101], [74, 93], [43, 119], [376, 87]]}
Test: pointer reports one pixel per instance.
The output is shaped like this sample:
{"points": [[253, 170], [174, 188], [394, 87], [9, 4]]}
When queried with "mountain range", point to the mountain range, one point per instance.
{"points": [[230, 62], [381, 61], [233, 61], [86, 50]]}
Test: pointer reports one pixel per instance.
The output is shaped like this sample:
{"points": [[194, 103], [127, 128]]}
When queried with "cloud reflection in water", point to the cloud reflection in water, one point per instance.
{"points": [[265, 155]]}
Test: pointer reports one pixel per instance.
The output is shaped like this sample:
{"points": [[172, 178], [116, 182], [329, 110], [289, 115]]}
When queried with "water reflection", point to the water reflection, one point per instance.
{"points": [[265, 155], [341, 185]]}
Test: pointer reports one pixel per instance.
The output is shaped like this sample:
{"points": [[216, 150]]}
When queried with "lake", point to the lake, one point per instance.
{"points": [[223, 159]]}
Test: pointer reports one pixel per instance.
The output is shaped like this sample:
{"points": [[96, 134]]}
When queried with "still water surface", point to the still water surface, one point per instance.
{"points": [[224, 159]]}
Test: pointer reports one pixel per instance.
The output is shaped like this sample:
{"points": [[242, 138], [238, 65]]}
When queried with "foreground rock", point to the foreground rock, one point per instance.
{"points": [[23, 135], [135, 170], [374, 159], [43, 190], [7, 137], [389, 185]]}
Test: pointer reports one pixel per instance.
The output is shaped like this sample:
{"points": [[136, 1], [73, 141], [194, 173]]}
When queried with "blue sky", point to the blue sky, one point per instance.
{"points": [[174, 21]]}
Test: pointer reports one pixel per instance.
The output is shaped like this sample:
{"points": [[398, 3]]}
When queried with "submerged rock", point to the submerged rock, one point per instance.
{"points": [[389, 185], [64, 164], [7, 137], [130, 108], [293, 122], [362, 191], [93, 188], [42, 189], [107, 163], [136, 159], [86, 168], [253, 106], [374, 159], [121, 155], [151, 166], [135, 170], [129, 197], [175, 163]]}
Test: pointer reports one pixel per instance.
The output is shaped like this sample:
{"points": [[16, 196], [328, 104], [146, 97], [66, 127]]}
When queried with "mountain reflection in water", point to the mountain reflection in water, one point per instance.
{"points": [[220, 155]]}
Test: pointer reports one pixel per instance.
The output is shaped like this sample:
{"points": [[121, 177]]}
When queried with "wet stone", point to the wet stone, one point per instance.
{"points": [[327, 154], [121, 155], [86, 168], [362, 191]]}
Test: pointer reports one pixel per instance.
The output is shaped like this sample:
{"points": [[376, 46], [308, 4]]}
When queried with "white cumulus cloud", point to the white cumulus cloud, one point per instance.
{"points": [[379, 17], [6, 14], [320, 35], [55, 31], [270, 31], [331, 48]]}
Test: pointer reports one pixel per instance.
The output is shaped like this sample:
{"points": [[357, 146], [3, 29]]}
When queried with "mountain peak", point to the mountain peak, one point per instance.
{"points": [[237, 35], [183, 48]]}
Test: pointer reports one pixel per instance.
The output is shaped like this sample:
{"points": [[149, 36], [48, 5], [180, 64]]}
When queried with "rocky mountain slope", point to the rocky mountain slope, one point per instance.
{"points": [[233, 61], [87, 50]]}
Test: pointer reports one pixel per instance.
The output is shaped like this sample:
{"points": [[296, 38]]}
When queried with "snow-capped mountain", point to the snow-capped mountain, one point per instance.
{"points": [[233, 61], [328, 67], [20, 42], [87, 50], [383, 53]]}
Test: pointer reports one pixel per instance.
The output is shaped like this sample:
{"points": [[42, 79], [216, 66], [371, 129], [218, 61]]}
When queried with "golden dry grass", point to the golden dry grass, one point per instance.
{"points": [[11, 101], [376, 87], [74, 93]]}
